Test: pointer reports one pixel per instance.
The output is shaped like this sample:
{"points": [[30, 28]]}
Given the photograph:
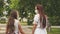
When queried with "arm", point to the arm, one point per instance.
{"points": [[34, 27], [34, 23], [20, 29], [7, 29], [46, 21]]}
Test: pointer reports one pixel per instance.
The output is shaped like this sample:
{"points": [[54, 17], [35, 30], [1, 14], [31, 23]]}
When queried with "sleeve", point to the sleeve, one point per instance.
{"points": [[35, 19]]}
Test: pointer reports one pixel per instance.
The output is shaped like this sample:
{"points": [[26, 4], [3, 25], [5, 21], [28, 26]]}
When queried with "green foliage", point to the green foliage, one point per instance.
{"points": [[13, 4], [1, 6], [51, 8], [2, 21], [54, 31]]}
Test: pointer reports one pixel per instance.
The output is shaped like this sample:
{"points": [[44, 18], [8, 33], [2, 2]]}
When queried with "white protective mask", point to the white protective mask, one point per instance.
{"points": [[36, 11]]}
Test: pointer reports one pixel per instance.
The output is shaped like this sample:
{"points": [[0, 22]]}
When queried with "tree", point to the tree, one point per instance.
{"points": [[1, 7], [51, 8]]}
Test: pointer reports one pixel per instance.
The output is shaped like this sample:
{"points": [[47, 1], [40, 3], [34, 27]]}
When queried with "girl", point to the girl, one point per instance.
{"points": [[39, 22], [13, 26]]}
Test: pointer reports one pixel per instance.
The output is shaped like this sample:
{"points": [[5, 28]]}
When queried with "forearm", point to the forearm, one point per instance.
{"points": [[33, 30], [34, 27], [20, 29], [6, 31], [22, 32]]}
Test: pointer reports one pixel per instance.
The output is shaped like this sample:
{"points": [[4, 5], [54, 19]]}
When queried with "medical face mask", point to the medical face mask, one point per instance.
{"points": [[36, 11]]}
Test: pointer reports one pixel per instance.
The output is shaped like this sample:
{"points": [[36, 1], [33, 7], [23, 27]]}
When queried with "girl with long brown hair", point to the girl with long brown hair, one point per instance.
{"points": [[13, 25], [39, 23]]}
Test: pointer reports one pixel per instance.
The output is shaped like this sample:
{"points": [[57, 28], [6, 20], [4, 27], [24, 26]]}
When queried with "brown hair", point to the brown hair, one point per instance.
{"points": [[10, 24], [42, 16]]}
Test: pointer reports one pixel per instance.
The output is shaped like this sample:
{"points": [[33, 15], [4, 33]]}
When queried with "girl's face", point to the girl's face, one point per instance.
{"points": [[36, 11]]}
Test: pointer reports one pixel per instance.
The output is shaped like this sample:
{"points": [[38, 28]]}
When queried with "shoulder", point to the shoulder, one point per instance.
{"points": [[16, 20], [37, 15]]}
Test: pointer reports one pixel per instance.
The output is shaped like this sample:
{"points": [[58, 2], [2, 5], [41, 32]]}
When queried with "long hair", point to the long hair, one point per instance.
{"points": [[42, 16], [10, 24]]}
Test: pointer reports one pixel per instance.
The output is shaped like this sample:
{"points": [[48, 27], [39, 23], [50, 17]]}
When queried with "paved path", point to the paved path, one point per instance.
{"points": [[26, 29]]}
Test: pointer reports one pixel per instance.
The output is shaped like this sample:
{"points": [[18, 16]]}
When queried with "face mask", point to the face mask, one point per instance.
{"points": [[36, 11]]}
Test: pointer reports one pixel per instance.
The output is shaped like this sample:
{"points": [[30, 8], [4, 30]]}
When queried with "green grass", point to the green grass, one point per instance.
{"points": [[23, 24], [54, 31]]}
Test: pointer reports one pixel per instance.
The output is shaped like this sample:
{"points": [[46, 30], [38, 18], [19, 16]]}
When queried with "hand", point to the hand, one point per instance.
{"points": [[23, 33], [32, 33]]}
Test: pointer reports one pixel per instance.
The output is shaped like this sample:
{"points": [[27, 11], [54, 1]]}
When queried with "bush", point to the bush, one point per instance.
{"points": [[2, 21]]}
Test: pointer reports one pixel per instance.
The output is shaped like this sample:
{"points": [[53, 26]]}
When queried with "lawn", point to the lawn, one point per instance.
{"points": [[54, 31]]}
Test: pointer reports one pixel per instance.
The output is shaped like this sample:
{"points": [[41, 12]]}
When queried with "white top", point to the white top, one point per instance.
{"points": [[37, 20], [38, 30], [16, 26]]}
